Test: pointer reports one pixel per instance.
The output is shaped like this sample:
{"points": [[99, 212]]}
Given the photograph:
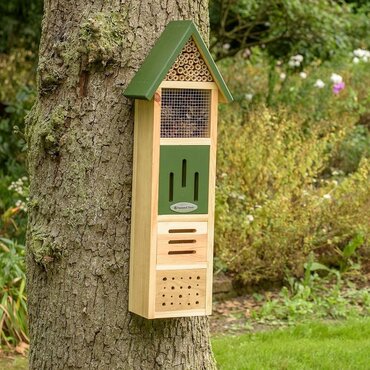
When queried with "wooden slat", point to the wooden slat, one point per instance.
{"points": [[189, 85], [180, 251], [184, 313], [202, 265], [186, 141], [182, 218], [166, 227]]}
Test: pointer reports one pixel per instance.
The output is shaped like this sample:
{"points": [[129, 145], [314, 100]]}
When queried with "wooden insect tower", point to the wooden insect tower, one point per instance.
{"points": [[176, 93]]}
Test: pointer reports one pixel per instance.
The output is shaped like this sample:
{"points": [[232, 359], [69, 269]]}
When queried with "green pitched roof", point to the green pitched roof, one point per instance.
{"points": [[164, 54]]}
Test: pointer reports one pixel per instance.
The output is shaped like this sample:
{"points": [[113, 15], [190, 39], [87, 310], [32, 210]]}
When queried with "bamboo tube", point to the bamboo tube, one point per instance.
{"points": [[175, 78], [181, 78], [180, 70], [198, 79], [197, 67], [209, 78]]}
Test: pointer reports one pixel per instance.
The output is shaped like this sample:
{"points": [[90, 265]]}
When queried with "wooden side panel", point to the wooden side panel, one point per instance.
{"points": [[142, 253], [211, 198]]}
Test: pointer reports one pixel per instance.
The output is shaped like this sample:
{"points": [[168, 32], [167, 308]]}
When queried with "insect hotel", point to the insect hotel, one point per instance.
{"points": [[176, 94]]}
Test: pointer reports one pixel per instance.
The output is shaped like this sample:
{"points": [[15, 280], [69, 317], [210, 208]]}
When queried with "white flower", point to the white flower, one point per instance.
{"points": [[303, 75], [248, 96], [282, 76], [362, 54], [335, 78], [241, 197], [250, 218], [319, 84], [298, 58], [327, 196], [295, 60], [224, 174], [335, 182], [355, 60], [226, 46]]}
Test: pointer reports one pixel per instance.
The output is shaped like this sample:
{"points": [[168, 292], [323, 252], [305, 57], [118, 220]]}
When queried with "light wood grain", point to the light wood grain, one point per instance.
{"points": [[193, 227], [188, 85], [140, 268], [183, 218], [180, 290], [193, 248], [186, 141], [211, 197]]}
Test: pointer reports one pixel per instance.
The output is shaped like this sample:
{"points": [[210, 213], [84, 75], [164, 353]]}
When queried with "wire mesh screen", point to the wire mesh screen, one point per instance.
{"points": [[185, 113]]}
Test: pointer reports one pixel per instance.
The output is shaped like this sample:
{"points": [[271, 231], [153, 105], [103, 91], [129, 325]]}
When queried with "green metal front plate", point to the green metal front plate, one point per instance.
{"points": [[162, 56], [183, 179]]}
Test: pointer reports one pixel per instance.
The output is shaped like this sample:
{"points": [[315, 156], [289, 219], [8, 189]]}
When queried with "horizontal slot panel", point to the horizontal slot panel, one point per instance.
{"points": [[180, 290], [185, 228], [181, 249]]}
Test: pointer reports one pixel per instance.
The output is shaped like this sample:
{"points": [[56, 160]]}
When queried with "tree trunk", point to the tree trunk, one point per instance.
{"points": [[80, 136]]}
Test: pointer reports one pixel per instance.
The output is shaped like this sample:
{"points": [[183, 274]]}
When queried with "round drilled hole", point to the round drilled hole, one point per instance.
{"points": [[163, 304], [189, 277], [173, 278], [171, 303], [197, 293], [197, 302], [188, 304], [189, 287], [198, 277], [180, 287], [172, 287], [164, 279], [180, 296], [163, 295], [197, 284]]}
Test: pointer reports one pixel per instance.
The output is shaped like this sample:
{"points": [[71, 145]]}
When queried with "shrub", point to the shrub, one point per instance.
{"points": [[275, 202]]}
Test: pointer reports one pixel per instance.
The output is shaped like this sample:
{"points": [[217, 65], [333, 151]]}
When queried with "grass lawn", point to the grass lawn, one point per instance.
{"points": [[343, 346], [18, 363]]}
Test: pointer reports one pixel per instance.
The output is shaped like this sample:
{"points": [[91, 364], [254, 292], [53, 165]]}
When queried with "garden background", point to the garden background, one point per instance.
{"points": [[293, 196]]}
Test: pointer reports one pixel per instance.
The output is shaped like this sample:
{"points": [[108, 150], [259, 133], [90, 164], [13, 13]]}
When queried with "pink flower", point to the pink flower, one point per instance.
{"points": [[338, 87]]}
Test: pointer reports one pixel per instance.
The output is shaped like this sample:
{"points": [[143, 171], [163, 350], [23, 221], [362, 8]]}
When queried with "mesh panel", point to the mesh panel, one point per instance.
{"points": [[185, 113]]}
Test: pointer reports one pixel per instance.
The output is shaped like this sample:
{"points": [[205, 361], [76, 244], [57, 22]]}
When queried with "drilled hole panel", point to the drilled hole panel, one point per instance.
{"points": [[180, 290], [189, 66], [185, 113]]}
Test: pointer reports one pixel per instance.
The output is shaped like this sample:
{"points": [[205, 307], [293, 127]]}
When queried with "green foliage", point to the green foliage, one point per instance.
{"points": [[285, 27], [13, 308], [292, 176], [328, 346], [315, 297], [20, 23]]}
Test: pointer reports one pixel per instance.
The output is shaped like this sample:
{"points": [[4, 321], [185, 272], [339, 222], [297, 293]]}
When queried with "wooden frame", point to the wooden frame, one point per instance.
{"points": [[171, 246]]}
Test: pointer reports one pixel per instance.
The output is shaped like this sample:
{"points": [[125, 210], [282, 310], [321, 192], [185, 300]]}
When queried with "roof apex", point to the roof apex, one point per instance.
{"points": [[162, 56]]}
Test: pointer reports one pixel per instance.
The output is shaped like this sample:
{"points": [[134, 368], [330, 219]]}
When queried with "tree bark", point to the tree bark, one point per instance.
{"points": [[80, 136]]}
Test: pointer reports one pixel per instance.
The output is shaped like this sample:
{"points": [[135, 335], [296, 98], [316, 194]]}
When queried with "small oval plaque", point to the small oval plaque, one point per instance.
{"points": [[183, 207]]}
